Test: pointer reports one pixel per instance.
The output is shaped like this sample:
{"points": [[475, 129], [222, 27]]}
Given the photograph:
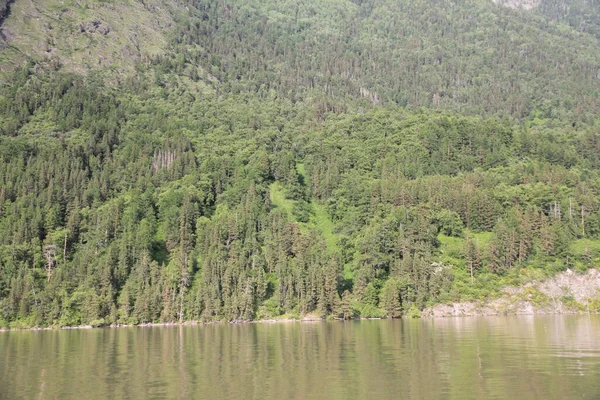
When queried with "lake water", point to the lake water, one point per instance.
{"points": [[541, 357]]}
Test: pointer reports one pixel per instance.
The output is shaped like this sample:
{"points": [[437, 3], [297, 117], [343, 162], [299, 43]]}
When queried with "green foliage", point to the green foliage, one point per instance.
{"points": [[269, 309], [449, 223], [391, 298], [536, 297], [363, 310], [594, 305], [414, 312], [570, 303]]}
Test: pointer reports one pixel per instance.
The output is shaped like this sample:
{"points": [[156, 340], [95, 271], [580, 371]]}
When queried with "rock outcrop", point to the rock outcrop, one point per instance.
{"points": [[565, 293], [520, 4]]}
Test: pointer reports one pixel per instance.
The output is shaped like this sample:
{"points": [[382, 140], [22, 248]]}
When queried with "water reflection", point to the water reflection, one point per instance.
{"points": [[549, 357]]}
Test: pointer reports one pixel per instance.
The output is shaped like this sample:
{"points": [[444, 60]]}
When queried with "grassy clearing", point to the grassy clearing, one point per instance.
{"points": [[322, 221], [485, 285], [278, 198], [319, 218], [583, 247], [453, 247]]}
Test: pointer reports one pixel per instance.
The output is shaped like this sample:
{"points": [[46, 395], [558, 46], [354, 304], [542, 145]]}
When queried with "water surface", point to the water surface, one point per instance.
{"points": [[541, 357]]}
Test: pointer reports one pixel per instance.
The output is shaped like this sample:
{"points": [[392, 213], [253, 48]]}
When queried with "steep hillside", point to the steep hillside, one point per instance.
{"points": [[471, 56], [235, 160], [84, 35], [582, 15]]}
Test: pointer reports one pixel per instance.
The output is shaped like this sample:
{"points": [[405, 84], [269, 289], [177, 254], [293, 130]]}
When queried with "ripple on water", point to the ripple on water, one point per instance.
{"points": [[549, 357]]}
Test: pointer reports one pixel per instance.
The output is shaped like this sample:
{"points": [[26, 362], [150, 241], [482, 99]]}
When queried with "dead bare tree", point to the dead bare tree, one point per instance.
{"points": [[50, 256]]}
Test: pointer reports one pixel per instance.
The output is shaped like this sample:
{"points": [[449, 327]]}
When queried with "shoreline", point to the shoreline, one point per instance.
{"points": [[567, 293], [184, 323], [428, 316]]}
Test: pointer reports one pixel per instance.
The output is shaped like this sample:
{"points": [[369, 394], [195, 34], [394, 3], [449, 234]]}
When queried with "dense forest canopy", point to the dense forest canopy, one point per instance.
{"points": [[469, 56], [334, 158]]}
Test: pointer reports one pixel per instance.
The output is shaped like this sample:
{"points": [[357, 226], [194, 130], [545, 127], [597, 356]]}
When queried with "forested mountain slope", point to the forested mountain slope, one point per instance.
{"points": [[249, 160], [472, 56], [583, 15]]}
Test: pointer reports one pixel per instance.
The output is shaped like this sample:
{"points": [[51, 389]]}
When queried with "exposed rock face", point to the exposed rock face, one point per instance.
{"points": [[566, 293], [4, 8], [94, 27], [4, 13], [521, 4], [84, 35]]}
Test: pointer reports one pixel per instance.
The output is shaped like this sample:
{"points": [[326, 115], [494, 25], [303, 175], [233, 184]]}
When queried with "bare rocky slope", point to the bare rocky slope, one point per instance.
{"points": [[565, 293], [83, 35], [522, 4]]}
